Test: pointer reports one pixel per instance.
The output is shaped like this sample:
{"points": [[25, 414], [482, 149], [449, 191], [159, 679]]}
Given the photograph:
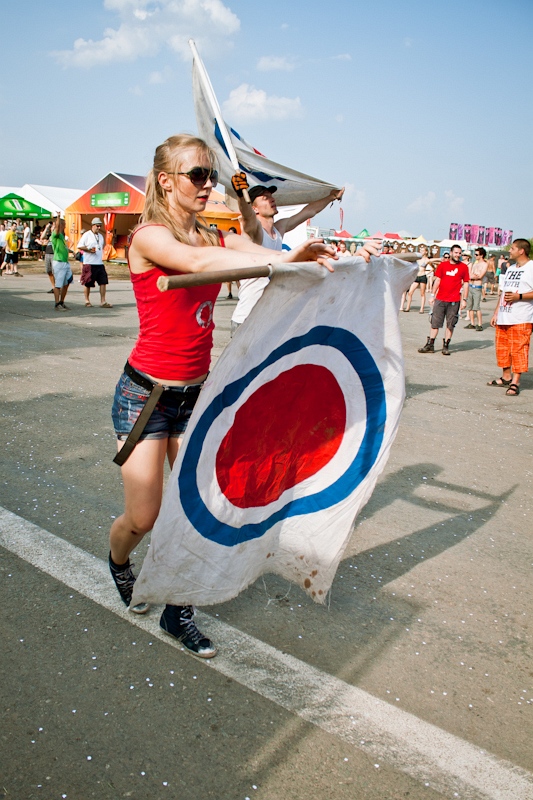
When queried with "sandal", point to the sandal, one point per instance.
{"points": [[106, 305], [499, 382], [513, 390], [88, 305]]}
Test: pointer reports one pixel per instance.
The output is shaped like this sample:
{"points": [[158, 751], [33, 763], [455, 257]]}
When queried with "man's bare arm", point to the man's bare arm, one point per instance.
{"points": [[250, 224], [289, 223]]}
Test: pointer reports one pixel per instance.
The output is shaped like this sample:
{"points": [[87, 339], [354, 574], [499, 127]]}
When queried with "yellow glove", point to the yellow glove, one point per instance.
{"points": [[239, 183]]}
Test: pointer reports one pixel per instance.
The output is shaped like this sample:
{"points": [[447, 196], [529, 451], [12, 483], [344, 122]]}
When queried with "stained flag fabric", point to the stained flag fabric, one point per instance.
{"points": [[286, 442], [292, 187]]}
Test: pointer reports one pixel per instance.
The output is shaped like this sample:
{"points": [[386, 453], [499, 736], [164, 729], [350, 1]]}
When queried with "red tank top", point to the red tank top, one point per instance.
{"points": [[175, 327]]}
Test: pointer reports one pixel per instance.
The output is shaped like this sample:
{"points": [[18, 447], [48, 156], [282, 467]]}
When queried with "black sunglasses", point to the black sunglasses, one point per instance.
{"points": [[199, 176]]}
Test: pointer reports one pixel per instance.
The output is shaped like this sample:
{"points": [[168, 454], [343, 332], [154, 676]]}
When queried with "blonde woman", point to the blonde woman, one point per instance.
{"points": [[420, 282], [174, 345]]}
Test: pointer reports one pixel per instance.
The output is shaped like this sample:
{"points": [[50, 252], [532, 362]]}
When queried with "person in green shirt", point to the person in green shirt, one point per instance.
{"points": [[62, 271]]}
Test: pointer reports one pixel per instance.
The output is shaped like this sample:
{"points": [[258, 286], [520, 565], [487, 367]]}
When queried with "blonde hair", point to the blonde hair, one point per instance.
{"points": [[167, 158]]}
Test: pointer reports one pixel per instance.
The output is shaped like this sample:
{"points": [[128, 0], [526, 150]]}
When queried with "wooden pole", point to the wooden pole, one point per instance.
{"points": [[165, 283], [202, 278]]}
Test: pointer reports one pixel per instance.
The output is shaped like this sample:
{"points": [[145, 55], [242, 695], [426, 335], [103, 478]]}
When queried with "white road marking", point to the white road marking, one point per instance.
{"points": [[425, 752]]}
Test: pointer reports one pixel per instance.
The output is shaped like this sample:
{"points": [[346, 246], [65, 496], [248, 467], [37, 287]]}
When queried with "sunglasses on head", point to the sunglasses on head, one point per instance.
{"points": [[199, 176]]}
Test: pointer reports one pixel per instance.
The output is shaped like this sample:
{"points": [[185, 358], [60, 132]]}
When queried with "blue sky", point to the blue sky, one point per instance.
{"points": [[422, 110]]}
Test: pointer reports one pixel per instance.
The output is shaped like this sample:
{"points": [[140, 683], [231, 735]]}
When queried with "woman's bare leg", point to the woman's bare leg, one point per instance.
{"points": [[142, 475], [422, 297], [412, 290]]}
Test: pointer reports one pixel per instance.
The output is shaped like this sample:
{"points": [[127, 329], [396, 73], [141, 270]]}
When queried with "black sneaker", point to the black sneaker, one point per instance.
{"points": [[469, 326], [479, 327], [124, 581], [178, 622]]}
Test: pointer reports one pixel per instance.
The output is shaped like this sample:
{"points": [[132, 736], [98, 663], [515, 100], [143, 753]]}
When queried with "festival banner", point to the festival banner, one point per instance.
{"points": [[460, 232], [474, 230], [468, 232], [489, 235], [481, 235], [453, 231], [498, 235], [290, 433], [293, 187], [507, 238]]}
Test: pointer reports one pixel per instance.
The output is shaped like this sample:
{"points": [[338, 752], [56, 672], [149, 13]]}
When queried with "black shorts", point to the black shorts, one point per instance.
{"points": [[12, 258], [98, 275], [421, 279], [441, 311]]}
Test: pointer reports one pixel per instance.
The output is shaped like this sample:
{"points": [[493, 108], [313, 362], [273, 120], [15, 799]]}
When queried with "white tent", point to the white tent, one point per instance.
{"points": [[54, 198], [450, 243]]}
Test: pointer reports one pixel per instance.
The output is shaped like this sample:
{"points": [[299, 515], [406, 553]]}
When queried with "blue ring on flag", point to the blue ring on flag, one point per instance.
{"points": [[363, 363]]}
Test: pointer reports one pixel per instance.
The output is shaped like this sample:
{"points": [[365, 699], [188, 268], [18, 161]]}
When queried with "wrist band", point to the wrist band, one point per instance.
{"points": [[520, 295]]}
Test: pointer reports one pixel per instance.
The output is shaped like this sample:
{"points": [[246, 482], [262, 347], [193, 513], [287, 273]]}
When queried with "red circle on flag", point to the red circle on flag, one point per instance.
{"points": [[264, 453]]}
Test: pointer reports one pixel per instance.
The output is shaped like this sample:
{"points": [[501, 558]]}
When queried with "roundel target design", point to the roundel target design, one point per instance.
{"points": [[290, 437]]}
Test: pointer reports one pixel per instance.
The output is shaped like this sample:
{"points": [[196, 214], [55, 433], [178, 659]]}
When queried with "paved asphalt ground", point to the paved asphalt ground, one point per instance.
{"points": [[415, 682]]}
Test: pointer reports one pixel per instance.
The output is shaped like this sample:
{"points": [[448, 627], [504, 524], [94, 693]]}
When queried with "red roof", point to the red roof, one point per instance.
{"points": [[343, 234]]}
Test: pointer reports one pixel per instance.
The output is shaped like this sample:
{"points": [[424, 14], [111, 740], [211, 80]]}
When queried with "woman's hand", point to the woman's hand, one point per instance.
{"points": [[311, 250], [367, 250]]}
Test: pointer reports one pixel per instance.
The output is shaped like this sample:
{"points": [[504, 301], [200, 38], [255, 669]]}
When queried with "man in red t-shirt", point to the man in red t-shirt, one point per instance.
{"points": [[450, 277]]}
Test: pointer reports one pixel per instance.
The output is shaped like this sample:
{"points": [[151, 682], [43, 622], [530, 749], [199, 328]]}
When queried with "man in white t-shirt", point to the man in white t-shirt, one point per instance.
{"points": [[93, 271], [513, 319], [258, 224]]}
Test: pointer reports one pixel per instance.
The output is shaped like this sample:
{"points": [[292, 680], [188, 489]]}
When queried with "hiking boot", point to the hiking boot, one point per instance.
{"points": [[479, 327], [429, 346], [124, 580], [445, 347], [178, 622]]}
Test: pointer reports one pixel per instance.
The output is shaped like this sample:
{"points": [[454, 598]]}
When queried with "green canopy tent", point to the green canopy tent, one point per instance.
{"points": [[12, 206]]}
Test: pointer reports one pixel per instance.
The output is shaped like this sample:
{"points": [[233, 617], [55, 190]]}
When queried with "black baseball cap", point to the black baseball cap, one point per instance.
{"points": [[257, 191]]}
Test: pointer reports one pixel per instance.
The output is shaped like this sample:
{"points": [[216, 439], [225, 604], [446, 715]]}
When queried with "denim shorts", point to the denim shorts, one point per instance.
{"points": [[169, 418]]}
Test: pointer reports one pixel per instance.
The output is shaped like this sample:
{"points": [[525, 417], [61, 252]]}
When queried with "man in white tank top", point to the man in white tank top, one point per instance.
{"points": [[258, 223]]}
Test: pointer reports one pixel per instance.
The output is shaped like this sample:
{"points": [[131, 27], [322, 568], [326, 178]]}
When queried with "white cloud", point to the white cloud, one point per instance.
{"points": [[271, 63], [423, 203], [145, 28], [160, 76], [354, 199], [339, 118], [407, 42], [284, 26], [454, 203], [246, 103], [136, 90], [342, 57]]}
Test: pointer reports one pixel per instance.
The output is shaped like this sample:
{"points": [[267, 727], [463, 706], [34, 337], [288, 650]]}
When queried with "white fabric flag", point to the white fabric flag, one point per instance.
{"points": [[293, 187], [288, 437]]}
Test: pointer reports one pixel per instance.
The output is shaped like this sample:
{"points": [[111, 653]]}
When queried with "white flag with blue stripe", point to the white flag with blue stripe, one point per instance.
{"points": [[289, 435], [293, 187]]}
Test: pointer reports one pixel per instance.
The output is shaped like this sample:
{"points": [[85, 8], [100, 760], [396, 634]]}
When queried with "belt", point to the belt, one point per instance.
{"points": [[476, 286], [156, 390]]}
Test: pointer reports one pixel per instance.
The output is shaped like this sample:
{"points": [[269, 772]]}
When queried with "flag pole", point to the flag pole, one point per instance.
{"points": [[208, 88], [184, 281]]}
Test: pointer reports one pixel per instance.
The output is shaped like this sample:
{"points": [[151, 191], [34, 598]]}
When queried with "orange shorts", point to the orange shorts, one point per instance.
{"points": [[512, 346]]}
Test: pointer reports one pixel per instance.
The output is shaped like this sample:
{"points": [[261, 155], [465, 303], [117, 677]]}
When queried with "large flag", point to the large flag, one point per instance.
{"points": [[293, 187], [288, 438]]}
